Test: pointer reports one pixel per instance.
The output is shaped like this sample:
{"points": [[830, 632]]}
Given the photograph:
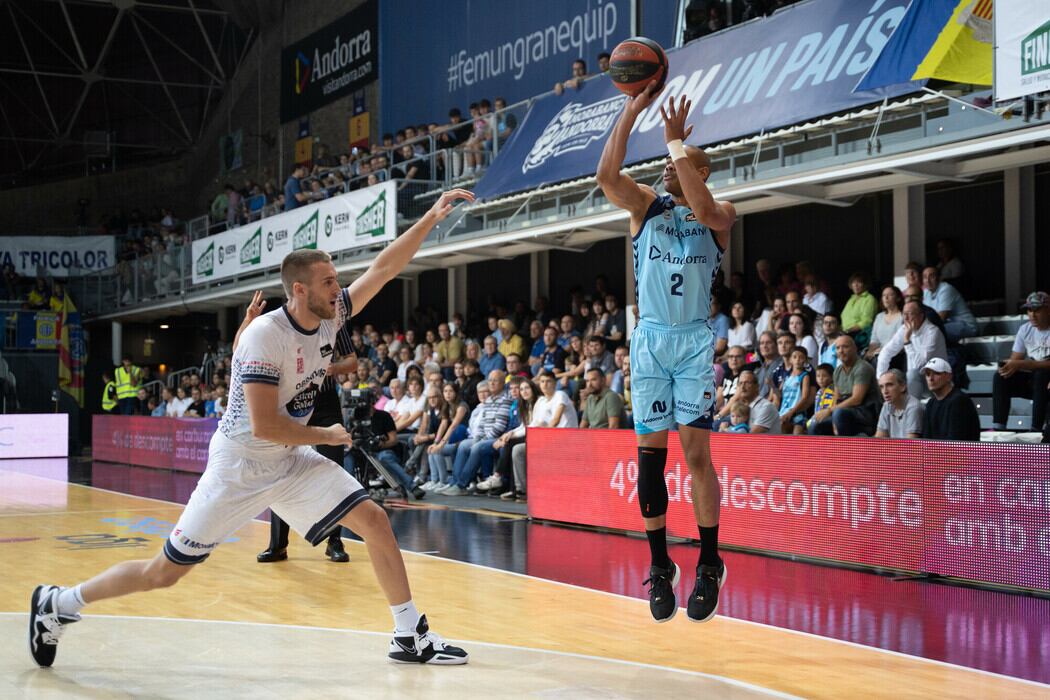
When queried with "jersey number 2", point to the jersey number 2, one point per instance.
{"points": [[676, 284]]}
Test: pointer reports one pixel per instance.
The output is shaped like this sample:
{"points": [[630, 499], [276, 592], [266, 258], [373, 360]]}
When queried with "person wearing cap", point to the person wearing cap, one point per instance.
{"points": [[950, 413], [920, 340], [942, 296], [1027, 372]]}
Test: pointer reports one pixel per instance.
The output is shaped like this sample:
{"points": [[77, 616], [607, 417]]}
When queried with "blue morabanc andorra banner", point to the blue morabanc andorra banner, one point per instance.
{"points": [[799, 64]]}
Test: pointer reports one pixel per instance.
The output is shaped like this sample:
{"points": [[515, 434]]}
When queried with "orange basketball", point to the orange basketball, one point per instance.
{"points": [[635, 63]]}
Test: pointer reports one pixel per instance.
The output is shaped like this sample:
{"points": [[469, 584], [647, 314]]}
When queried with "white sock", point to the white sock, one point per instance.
{"points": [[70, 601], [406, 617]]}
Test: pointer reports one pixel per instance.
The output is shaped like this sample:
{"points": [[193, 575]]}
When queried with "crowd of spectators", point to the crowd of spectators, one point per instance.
{"points": [[703, 17], [34, 294], [191, 397]]}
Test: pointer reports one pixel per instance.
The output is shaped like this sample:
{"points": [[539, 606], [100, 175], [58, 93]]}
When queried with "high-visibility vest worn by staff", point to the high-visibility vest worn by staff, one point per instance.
{"points": [[127, 382], [109, 396]]}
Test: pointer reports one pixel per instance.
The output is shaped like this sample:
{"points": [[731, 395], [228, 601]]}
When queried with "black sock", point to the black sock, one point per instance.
{"points": [[709, 545], [658, 547]]}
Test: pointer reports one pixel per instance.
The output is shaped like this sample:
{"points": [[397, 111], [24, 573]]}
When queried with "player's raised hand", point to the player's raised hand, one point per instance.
{"points": [[447, 200], [256, 307], [637, 104], [675, 128], [335, 435]]}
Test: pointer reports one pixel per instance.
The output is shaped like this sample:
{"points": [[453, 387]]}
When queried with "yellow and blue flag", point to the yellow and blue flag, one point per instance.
{"points": [[943, 39]]}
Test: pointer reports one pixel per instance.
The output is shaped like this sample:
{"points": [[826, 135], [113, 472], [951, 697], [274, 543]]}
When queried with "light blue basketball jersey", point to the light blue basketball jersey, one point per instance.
{"points": [[675, 262]]}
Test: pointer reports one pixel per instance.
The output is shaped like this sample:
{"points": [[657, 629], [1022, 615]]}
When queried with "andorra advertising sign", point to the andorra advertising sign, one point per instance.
{"points": [[330, 63], [351, 220], [1022, 48]]}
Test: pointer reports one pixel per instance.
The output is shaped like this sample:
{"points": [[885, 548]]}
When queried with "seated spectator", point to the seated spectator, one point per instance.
{"points": [[572, 374], [771, 316], [579, 74], [452, 430], [946, 301], [739, 414], [198, 407], [902, 413], [553, 408], [856, 411], [798, 326], [719, 325], [516, 368], [596, 356], [914, 293], [598, 319], [490, 357], [406, 355], [161, 409], [741, 330], [616, 327], [731, 369], [538, 343], [950, 413], [826, 396], [410, 409], [511, 342], [154, 409], [495, 412], [859, 312], [472, 377], [449, 349], [921, 342], [814, 298], [1027, 373], [766, 362], [796, 395], [779, 371], [177, 407], [386, 368], [39, 295], [619, 357], [763, 414], [218, 404], [552, 357], [502, 479], [949, 266], [142, 407], [58, 297], [568, 330], [506, 123], [826, 353], [602, 408], [887, 322], [427, 434]]}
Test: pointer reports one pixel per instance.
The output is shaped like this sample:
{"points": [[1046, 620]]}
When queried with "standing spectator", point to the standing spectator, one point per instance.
{"points": [[491, 358], [949, 266], [921, 342], [1027, 372], [886, 322], [856, 410], [950, 413], [763, 418], [859, 312], [946, 301], [602, 408], [902, 414], [826, 353], [553, 409], [127, 378], [741, 330], [293, 189]]}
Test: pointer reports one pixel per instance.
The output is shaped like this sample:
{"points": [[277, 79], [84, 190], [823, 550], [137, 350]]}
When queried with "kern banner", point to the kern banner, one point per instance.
{"points": [[330, 63], [438, 55], [58, 256], [351, 220], [1022, 48], [799, 64]]}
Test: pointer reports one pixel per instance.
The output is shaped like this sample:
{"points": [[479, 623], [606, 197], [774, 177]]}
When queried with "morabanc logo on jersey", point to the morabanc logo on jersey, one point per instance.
{"points": [[206, 262], [251, 251], [372, 221], [573, 128], [306, 235]]}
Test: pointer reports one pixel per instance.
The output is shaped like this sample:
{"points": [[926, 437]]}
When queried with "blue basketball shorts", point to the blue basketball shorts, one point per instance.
{"points": [[672, 378]]}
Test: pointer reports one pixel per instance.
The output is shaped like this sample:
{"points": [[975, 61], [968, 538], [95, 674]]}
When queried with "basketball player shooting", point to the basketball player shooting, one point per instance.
{"points": [[262, 456], [678, 241]]}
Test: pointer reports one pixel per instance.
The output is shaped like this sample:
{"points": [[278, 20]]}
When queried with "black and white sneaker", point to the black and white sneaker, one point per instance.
{"points": [[662, 603], [45, 624], [425, 647], [703, 601]]}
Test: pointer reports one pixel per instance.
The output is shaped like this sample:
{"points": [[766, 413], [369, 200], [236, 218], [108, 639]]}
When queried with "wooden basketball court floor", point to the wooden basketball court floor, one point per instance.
{"points": [[308, 628]]}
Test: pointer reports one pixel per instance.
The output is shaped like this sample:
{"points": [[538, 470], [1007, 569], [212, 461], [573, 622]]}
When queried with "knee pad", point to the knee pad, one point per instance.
{"points": [[652, 489]]}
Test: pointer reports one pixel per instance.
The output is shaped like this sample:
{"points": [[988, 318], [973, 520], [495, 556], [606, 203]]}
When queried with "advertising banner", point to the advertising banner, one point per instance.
{"points": [[449, 54], [1022, 48], [164, 443], [360, 218], [911, 505], [330, 63], [58, 256], [799, 64], [34, 435]]}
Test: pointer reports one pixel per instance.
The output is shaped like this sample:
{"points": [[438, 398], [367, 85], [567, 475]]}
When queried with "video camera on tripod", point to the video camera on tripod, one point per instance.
{"points": [[366, 442]]}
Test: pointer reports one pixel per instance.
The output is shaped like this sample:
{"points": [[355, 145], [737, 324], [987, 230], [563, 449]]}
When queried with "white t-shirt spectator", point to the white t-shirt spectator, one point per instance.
{"points": [[1033, 342], [407, 406], [743, 336], [819, 302], [177, 407], [901, 424], [543, 411], [764, 414], [810, 344]]}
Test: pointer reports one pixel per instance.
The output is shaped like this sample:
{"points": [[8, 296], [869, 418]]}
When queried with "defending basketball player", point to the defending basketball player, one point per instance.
{"points": [[678, 240], [262, 456]]}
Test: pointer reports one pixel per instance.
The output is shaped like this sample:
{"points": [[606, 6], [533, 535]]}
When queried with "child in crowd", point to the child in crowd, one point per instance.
{"points": [[739, 415], [827, 394], [795, 395]]}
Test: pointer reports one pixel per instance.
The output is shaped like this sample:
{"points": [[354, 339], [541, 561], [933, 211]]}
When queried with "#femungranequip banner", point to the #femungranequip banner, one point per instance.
{"points": [[799, 64], [58, 256], [1022, 48], [351, 220], [438, 55], [330, 63]]}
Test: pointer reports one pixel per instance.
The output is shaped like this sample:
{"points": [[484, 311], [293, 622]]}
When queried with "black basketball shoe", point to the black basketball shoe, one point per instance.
{"points": [[425, 647], [45, 624], [703, 601], [662, 603]]}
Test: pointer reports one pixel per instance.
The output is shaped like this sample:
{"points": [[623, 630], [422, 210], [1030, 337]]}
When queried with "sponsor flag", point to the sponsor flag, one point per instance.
{"points": [[72, 352], [942, 39]]}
